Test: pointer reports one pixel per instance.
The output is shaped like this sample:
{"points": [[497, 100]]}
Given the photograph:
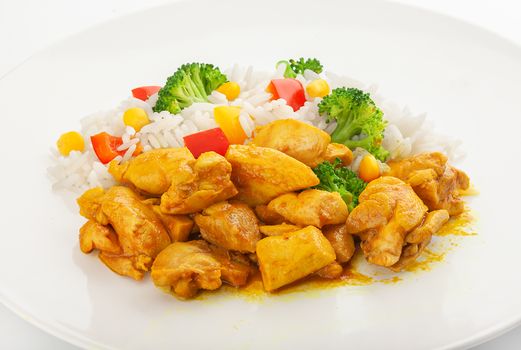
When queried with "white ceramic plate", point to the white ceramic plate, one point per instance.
{"points": [[467, 79]]}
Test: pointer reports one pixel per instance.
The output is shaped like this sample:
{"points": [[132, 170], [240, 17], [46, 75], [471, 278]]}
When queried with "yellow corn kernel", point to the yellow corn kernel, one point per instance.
{"points": [[230, 89], [369, 169], [70, 141], [318, 88], [227, 117], [136, 118]]}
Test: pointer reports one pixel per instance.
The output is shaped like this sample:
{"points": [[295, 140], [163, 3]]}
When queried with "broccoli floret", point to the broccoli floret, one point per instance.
{"points": [[191, 83], [359, 122], [336, 178], [294, 67]]}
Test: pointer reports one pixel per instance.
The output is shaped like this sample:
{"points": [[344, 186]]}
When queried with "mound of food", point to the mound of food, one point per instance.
{"points": [[217, 176]]}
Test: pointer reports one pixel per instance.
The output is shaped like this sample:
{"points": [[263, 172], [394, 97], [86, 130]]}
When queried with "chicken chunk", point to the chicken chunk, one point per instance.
{"points": [[134, 267], [139, 229], [341, 241], [340, 151], [277, 230], [433, 221], [297, 139], [140, 233], [179, 227], [311, 207], [208, 183], [409, 254], [262, 174], [101, 237], [184, 268], [235, 268], [231, 226], [90, 205], [437, 183], [331, 271], [152, 172], [268, 216], [388, 209], [420, 237], [292, 256]]}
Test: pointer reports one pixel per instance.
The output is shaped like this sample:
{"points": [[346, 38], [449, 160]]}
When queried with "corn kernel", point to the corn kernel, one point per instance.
{"points": [[136, 118], [230, 89], [369, 169], [70, 141], [318, 88]]}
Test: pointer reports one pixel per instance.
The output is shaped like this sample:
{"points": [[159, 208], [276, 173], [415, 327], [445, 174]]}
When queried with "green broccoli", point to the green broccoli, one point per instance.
{"points": [[359, 122], [336, 178], [191, 83], [294, 67]]}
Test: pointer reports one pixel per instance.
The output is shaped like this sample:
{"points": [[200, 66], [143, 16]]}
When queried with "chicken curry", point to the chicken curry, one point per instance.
{"points": [[196, 223]]}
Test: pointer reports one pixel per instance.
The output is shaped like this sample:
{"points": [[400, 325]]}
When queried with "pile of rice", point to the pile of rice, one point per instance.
{"points": [[406, 134]]}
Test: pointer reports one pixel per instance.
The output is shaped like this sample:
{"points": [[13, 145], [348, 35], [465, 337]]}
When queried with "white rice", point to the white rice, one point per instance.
{"points": [[406, 134], [78, 172]]}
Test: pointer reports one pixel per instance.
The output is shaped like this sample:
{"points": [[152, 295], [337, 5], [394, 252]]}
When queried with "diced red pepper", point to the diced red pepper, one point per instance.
{"points": [[106, 147], [205, 141], [290, 90], [144, 92]]}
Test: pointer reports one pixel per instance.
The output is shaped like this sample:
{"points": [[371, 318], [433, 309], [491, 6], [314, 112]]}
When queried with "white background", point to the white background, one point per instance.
{"points": [[29, 25]]}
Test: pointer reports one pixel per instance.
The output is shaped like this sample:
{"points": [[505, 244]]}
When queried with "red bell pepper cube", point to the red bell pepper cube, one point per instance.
{"points": [[207, 140]]}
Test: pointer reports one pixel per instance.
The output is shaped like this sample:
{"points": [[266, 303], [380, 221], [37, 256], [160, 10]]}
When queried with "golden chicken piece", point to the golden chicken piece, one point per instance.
{"points": [[262, 174], [331, 271], [231, 226], [409, 254], [140, 233], [437, 183], [124, 266], [420, 237], [338, 150], [153, 201], [341, 241], [311, 207], [268, 216], [184, 268], [402, 169], [289, 257], [277, 230], [179, 227], [208, 183], [388, 209], [96, 236], [235, 268], [433, 221], [151, 172], [90, 205], [297, 139]]}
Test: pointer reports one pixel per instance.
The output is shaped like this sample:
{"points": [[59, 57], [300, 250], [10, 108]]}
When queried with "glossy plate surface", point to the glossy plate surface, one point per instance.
{"points": [[467, 79]]}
